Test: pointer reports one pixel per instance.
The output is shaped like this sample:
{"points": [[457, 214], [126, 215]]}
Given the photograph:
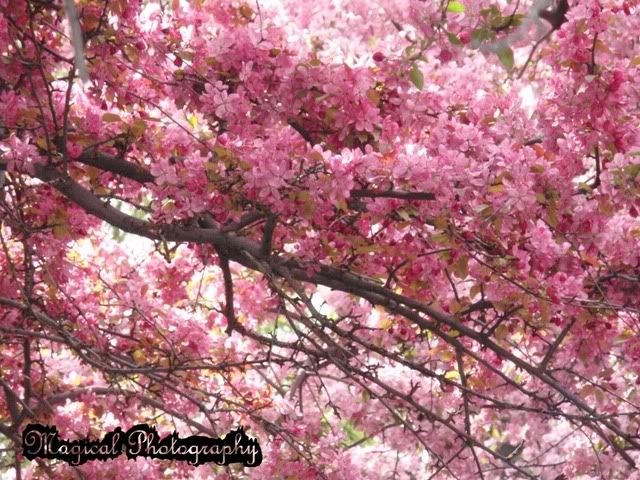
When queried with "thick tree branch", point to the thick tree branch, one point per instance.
{"points": [[228, 293], [363, 193], [556, 344], [267, 236], [116, 165]]}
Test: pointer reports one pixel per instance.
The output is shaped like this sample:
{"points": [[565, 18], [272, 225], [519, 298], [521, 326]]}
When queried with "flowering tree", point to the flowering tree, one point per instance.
{"points": [[394, 239]]}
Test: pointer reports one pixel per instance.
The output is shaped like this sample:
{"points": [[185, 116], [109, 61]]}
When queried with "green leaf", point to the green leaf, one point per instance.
{"points": [[455, 7], [505, 54], [492, 11], [61, 231], [138, 127], [517, 20], [480, 35], [416, 77], [453, 38], [461, 267], [117, 234], [354, 434], [501, 332], [368, 249], [404, 215], [110, 117], [440, 238], [452, 375], [632, 170], [409, 50]]}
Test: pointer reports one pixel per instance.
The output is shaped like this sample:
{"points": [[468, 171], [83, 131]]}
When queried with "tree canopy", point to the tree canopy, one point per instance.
{"points": [[391, 239]]}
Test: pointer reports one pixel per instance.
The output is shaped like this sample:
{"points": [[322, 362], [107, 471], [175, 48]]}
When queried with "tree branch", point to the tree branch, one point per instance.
{"points": [[552, 349], [267, 236], [116, 165], [363, 193]]}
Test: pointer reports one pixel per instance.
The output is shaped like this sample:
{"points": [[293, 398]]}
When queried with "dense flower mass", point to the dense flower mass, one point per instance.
{"points": [[394, 239]]}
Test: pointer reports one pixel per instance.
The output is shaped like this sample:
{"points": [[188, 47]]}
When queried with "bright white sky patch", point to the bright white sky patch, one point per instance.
{"points": [[528, 99]]}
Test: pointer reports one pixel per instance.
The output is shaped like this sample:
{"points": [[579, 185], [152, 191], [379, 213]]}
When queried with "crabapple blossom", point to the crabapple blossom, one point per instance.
{"points": [[394, 239]]}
